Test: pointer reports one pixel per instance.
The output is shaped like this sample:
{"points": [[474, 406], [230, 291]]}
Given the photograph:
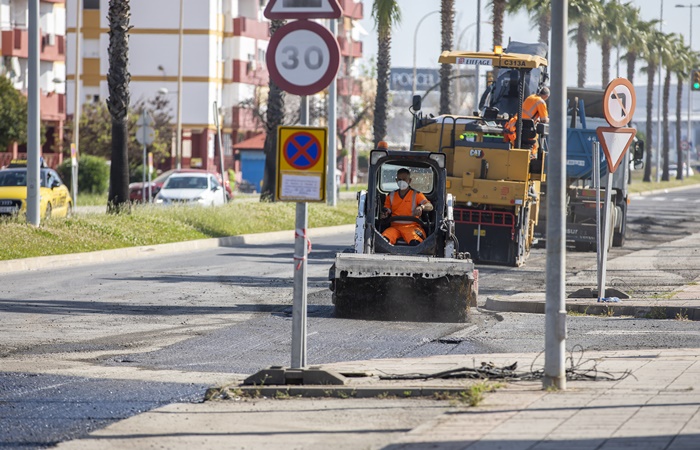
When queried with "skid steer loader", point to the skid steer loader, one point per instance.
{"points": [[430, 281]]}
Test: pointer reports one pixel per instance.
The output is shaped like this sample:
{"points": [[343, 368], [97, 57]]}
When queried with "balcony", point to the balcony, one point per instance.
{"points": [[250, 72], [350, 48], [352, 9], [349, 87], [243, 119], [16, 43], [53, 106], [243, 26]]}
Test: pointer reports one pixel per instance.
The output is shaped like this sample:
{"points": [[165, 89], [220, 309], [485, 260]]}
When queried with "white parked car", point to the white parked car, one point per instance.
{"points": [[192, 188], [673, 170]]}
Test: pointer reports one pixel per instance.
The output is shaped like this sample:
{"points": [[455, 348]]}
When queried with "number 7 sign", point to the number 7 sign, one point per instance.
{"points": [[303, 57]]}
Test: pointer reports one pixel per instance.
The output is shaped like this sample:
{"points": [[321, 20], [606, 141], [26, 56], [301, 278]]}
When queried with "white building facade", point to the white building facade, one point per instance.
{"points": [[14, 51], [223, 54]]}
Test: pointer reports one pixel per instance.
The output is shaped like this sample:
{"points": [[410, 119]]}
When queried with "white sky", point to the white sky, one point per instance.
{"points": [[516, 27]]}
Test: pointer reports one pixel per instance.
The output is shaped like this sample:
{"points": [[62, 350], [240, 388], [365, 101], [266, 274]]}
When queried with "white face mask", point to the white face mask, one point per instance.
{"points": [[403, 185]]}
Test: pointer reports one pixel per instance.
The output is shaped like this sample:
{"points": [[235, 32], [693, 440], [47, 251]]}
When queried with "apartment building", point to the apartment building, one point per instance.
{"points": [[223, 51], [14, 49]]}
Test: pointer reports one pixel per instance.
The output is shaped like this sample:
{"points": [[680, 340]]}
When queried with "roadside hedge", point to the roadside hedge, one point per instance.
{"points": [[93, 174]]}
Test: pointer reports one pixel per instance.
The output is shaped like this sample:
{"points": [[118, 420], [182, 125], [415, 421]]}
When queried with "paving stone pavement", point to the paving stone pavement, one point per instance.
{"points": [[656, 406]]}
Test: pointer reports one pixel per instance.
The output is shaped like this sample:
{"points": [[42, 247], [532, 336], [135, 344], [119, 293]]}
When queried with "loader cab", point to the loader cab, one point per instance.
{"points": [[428, 177]]}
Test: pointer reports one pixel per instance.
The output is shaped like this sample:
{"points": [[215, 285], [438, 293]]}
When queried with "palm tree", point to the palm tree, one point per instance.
{"points": [[386, 14], [447, 20], [498, 9], [274, 116], [540, 14], [681, 67], [118, 78], [584, 13], [634, 38], [667, 47], [606, 31], [651, 56]]}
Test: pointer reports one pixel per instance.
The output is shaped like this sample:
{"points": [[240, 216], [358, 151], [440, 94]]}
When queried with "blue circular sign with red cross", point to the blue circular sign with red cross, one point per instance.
{"points": [[302, 150]]}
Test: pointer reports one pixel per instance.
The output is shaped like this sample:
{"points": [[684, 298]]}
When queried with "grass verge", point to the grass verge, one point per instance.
{"points": [[638, 185], [150, 225]]}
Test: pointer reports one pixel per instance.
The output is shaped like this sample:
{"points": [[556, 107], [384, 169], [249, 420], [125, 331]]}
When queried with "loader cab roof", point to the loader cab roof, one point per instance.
{"points": [[496, 60]]}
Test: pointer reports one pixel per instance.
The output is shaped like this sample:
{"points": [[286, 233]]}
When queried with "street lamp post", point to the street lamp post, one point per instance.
{"points": [[178, 135], [658, 107], [690, 98], [415, 43]]}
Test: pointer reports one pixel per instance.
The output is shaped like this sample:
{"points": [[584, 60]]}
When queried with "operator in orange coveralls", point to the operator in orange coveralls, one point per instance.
{"points": [[405, 202]]}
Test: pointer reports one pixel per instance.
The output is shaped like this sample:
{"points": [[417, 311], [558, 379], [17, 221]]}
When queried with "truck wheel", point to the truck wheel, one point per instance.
{"points": [[619, 234]]}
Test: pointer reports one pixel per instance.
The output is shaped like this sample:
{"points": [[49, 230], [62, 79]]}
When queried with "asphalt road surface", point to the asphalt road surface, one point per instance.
{"points": [[83, 347]]}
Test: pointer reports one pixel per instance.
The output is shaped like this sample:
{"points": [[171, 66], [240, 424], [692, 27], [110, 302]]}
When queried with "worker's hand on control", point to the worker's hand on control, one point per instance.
{"points": [[386, 212], [418, 211]]}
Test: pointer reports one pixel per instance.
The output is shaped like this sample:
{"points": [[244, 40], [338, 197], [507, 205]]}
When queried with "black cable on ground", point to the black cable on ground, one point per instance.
{"points": [[578, 370]]}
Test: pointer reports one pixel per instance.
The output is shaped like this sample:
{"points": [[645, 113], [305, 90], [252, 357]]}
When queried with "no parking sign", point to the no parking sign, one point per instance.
{"points": [[301, 164]]}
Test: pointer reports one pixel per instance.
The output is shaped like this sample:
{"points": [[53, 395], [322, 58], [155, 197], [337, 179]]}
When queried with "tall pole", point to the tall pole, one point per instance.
{"points": [[617, 60], [478, 48], [300, 270], [33, 117], [78, 106], [555, 305], [415, 44], [684, 170], [178, 133], [331, 187], [658, 106], [690, 100]]}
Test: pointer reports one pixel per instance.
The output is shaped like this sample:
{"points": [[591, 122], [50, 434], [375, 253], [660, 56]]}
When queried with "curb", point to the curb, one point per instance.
{"points": [[591, 307], [147, 251], [351, 392]]}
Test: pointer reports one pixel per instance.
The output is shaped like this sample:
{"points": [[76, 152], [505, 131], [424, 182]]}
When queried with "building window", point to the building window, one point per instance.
{"points": [[91, 4]]}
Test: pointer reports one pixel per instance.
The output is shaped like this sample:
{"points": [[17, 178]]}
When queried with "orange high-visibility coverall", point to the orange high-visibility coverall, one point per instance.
{"points": [[534, 108], [409, 231]]}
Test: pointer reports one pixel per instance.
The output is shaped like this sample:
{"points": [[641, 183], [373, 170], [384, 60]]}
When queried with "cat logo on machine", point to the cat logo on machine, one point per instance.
{"points": [[476, 152]]}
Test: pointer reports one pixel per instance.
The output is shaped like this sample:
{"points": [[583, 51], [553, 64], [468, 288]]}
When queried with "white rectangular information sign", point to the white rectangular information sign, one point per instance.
{"points": [[301, 187]]}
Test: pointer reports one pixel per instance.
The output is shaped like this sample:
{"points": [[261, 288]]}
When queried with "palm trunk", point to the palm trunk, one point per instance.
{"points": [[447, 22], [605, 47], [679, 151], [275, 117], [118, 78], [581, 47], [544, 22], [666, 146], [381, 102], [499, 10], [631, 63], [651, 73]]}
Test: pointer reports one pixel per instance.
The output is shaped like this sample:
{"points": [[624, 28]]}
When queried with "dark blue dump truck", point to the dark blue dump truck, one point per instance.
{"points": [[585, 114]]}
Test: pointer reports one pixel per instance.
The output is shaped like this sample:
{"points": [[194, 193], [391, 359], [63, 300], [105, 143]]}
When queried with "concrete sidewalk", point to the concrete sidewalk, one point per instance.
{"points": [[656, 406]]}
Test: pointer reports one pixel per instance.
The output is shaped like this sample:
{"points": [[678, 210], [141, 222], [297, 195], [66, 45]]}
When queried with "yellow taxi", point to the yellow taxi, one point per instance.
{"points": [[55, 199]]}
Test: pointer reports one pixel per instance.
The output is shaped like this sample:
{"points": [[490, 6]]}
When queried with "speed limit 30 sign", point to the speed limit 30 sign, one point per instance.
{"points": [[303, 57]]}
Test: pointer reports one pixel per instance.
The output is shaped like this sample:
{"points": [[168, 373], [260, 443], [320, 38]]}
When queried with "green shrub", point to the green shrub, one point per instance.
{"points": [[136, 174], [93, 174]]}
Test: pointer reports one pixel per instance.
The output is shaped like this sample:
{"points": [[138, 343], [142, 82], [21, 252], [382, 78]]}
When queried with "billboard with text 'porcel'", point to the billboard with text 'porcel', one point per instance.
{"points": [[401, 79]]}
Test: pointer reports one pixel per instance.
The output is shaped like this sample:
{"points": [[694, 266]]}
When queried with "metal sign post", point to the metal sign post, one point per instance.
{"points": [[619, 102], [221, 144], [301, 177], [150, 182], [303, 58], [74, 173], [145, 135]]}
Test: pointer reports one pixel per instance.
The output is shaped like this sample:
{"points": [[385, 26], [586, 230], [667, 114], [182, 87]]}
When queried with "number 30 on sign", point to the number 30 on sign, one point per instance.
{"points": [[303, 57]]}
